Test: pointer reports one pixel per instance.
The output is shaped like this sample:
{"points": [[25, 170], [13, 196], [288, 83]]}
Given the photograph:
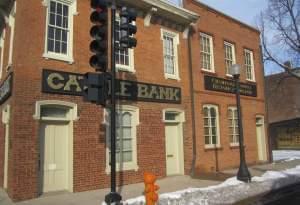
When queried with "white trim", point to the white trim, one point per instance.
{"points": [[5, 121], [135, 122], [179, 119], [72, 11], [211, 44], [2, 43], [233, 109], [218, 144], [252, 65], [233, 56], [12, 34], [72, 115], [176, 42]]}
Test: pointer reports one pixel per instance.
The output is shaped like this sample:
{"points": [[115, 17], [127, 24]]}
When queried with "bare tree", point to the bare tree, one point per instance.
{"points": [[280, 31]]}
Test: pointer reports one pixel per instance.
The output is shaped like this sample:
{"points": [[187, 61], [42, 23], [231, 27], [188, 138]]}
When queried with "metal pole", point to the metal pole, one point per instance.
{"points": [[243, 173], [113, 197]]}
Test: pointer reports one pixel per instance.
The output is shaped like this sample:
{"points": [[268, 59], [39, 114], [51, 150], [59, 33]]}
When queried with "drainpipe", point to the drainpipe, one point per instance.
{"points": [[266, 108], [191, 80]]}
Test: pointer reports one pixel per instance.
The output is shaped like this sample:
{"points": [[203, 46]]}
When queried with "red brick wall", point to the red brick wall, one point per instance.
{"points": [[223, 28], [89, 145]]}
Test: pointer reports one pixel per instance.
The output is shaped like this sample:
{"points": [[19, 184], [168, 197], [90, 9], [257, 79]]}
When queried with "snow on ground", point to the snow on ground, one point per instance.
{"points": [[228, 192], [286, 155]]}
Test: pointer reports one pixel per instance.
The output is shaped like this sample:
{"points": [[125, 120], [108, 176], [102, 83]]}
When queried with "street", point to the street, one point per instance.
{"points": [[289, 195]]}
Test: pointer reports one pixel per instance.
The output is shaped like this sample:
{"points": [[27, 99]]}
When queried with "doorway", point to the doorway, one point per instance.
{"points": [[174, 143], [54, 156], [261, 139]]}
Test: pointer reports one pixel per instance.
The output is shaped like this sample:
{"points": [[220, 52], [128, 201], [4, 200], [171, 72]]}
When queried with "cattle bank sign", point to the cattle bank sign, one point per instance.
{"points": [[66, 83]]}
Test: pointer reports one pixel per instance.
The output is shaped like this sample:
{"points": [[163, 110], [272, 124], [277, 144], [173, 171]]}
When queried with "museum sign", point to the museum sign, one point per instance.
{"points": [[228, 86]]}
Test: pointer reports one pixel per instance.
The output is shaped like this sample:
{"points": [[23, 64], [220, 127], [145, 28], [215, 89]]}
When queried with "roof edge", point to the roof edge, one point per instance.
{"points": [[226, 15]]}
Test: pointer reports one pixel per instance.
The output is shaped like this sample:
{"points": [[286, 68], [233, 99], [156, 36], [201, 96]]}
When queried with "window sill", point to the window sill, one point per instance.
{"points": [[212, 147], [209, 72], [234, 145], [229, 76], [125, 167], [68, 59], [125, 69], [172, 77], [251, 81]]}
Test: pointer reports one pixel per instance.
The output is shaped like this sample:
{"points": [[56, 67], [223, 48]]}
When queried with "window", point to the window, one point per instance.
{"points": [[170, 43], [229, 56], [126, 151], [249, 65], [207, 58], [59, 38], [211, 126], [2, 51], [11, 23], [233, 126], [124, 57]]}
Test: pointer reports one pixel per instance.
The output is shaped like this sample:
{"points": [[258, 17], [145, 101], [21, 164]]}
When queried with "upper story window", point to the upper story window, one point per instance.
{"points": [[170, 43], [229, 56], [2, 51], [233, 126], [207, 54], [249, 65], [124, 57], [211, 126], [59, 30]]}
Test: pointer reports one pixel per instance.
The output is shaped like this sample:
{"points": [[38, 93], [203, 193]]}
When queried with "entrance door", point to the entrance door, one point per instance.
{"points": [[172, 149], [261, 139], [54, 157], [6, 155]]}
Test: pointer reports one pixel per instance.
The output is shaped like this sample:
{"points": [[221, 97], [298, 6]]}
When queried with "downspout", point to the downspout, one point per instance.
{"points": [[191, 80], [270, 144]]}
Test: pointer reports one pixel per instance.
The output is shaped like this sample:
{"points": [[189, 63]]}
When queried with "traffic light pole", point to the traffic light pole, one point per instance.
{"points": [[113, 197]]}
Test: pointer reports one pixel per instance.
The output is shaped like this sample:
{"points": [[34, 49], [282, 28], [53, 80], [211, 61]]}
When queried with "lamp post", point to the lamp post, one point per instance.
{"points": [[243, 173]]}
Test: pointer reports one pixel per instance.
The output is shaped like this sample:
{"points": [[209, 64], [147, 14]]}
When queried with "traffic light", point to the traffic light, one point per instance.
{"points": [[127, 28], [96, 88], [98, 32]]}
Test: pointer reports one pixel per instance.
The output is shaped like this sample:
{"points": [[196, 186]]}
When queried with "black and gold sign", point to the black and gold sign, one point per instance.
{"points": [[228, 86], [58, 82], [6, 88]]}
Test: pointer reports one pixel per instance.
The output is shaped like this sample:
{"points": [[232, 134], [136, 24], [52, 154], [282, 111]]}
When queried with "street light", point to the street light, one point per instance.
{"points": [[243, 173]]}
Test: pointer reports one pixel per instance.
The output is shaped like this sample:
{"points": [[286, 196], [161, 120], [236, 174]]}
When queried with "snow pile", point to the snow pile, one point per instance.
{"points": [[286, 155], [228, 192]]}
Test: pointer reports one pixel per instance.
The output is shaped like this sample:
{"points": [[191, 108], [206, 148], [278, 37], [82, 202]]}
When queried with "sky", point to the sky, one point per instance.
{"points": [[246, 11]]}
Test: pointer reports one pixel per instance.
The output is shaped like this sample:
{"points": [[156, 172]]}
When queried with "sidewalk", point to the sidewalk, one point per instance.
{"points": [[168, 184]]}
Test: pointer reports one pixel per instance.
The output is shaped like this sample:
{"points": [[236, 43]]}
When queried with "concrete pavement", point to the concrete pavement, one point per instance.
{"points": [[168, 184]]}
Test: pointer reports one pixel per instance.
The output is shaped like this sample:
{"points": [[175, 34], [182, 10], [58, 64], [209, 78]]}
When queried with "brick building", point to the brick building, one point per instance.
{"points": [[283, 103], [182, 121]]}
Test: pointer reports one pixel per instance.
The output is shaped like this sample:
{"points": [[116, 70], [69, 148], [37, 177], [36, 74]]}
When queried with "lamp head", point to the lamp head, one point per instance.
{"points": [[235, 70]]}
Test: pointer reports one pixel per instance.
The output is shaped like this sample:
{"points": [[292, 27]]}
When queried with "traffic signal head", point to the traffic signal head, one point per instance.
{"points": [[127, 27], [96, 88], [98, 32]]}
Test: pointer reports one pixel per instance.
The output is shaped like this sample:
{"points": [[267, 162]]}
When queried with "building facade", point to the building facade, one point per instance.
{"points": [[176, 112], [283, 110]]}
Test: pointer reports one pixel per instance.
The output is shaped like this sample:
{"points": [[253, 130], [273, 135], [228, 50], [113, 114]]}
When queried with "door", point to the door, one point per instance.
{"points": [[172, 149], [6, 155], [54, 157], [261, 140]]}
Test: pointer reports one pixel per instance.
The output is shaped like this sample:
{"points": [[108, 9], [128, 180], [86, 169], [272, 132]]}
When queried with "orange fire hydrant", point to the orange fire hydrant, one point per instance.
{"points": [[150, 189]]}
